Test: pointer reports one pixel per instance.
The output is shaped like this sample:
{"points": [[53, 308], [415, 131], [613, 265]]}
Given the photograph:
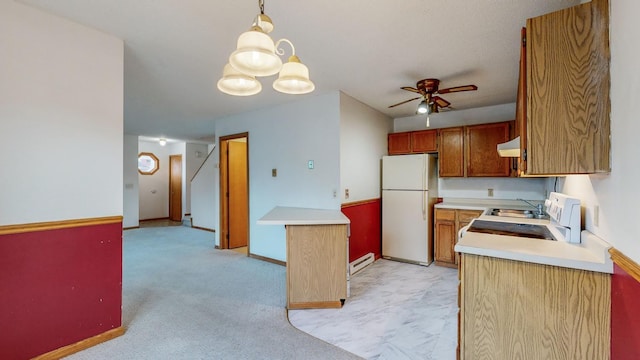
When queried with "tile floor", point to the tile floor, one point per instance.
{"points": [[395, 311]]}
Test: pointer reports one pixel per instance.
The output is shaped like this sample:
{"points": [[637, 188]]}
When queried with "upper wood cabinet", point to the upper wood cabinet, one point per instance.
{"points": [[412, 142], [424, 141], [399, 143], [451, 152], [567, 128], [481, 154], [472, 151]]}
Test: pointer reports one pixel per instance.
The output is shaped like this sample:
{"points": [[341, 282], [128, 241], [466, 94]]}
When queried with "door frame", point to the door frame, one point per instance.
{"points": [[224, 190]]}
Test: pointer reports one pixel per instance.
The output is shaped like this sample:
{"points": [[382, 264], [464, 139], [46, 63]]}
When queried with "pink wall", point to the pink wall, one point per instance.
{"points": [[58, 287], [365, 228], [625, 316]]}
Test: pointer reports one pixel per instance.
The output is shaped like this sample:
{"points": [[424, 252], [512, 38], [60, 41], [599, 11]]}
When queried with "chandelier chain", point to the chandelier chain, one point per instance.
{"points": [[261, 5]]}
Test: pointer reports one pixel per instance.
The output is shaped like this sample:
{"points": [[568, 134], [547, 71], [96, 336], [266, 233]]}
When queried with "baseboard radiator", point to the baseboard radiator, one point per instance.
{"points": [[360, 263]]}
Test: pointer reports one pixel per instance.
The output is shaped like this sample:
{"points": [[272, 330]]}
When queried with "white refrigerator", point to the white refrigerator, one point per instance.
{"points": [[409, 191]]}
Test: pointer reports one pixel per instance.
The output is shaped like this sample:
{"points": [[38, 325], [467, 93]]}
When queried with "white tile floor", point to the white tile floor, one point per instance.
{"points": [[396, 311]]}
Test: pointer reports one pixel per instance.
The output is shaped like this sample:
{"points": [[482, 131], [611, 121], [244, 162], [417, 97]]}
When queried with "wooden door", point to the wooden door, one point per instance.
{"points": [[238, 199], [451, 152], [175, 187]]}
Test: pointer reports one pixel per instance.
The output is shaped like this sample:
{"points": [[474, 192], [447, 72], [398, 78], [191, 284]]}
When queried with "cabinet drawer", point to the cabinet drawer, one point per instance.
{"points": [[468, 215], [445, 214]]}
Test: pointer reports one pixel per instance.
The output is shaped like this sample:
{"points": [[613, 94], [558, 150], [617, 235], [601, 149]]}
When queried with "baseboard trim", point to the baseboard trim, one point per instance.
{"points": [[315, 305], [54, 225], [203, 228], [273, 261], [131, 228], [625, 263], [81, 345]]}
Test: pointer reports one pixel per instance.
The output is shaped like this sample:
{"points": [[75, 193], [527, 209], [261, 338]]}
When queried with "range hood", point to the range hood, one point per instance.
{"points": [[510, 148]]}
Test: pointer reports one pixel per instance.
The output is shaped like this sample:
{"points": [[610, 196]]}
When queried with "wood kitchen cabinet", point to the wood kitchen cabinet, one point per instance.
{"points": [[472, 150], [565, 93], [447, 224], [451, 152], [519, 310], [399, 143], [412, 142], [481, 153]]}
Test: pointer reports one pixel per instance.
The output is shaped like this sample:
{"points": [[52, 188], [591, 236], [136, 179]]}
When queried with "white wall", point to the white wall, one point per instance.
{"points": [[286, 137], [204, 195], [618, 194], [131, 200], [61, 118], [363, 142]]}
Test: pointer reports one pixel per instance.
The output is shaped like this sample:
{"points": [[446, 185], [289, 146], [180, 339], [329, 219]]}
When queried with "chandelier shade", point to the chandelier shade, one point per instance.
{"points": [[294, 78], [255, 54], [236, 83]]}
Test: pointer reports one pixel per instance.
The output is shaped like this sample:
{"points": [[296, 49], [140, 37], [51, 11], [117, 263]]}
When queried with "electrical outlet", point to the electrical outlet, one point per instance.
{"points": [[490, 192], [346, 193], [596, 215]]}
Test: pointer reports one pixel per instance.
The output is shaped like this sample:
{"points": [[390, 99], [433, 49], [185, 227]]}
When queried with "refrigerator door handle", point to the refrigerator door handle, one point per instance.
{"points": [[424, 205]]}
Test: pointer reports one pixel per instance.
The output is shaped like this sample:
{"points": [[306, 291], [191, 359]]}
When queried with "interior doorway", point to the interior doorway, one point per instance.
{"points": [[175, 187], [234, 192]]}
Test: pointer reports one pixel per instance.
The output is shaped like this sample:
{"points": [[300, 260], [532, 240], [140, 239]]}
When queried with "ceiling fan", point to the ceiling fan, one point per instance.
{"points": [[428, 90]]}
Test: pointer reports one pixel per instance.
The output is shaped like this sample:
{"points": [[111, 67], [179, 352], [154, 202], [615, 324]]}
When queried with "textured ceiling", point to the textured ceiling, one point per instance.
{"points": [[175, 51]]}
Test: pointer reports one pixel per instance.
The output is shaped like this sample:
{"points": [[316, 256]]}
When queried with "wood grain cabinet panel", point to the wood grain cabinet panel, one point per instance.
{"points": [[424, 141], [399, 143], [451, 152], [567, 91], [316, 266], [518, 310], [482, 155]]}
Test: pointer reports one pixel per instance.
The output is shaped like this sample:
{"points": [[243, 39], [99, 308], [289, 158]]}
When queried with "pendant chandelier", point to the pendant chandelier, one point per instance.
{"points": [[257, 55]]}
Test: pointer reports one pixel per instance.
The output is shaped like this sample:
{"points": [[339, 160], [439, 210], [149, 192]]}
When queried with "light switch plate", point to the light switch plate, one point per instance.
{"points": [[310, 164]]}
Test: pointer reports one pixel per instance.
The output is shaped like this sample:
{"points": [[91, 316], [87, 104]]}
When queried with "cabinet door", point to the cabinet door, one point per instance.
{"points": [[568, 104], [464, 217], [424, 141], [451, 152], [445, 236], [482, 156], [445, 241], [399, 143]]}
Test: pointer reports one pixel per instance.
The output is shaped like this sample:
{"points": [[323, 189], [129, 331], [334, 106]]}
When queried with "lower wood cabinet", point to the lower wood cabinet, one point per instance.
{"points": [[447, 224], [519, 310], [316, 266]]}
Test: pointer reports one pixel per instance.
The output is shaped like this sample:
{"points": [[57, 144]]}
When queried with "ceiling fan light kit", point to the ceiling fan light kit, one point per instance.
{"points": [[431, 103], [257, 55]]}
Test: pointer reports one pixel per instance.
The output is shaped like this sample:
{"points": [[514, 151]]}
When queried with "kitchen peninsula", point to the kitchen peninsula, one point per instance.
{"points": [[317, 250], [533, 298]]}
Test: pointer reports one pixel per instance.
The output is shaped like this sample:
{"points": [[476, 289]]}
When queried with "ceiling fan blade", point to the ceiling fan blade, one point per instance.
{"points": [[457, 89], [406, 101], [412, 89], [440, 101]]}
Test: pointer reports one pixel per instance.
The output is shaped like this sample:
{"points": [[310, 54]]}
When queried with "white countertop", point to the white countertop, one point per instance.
{"points": [[591, 254], [281, 215]]}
